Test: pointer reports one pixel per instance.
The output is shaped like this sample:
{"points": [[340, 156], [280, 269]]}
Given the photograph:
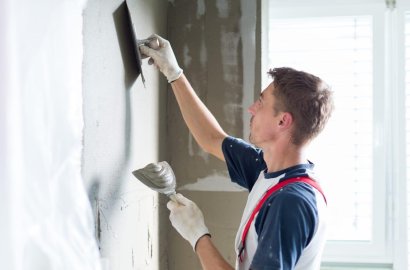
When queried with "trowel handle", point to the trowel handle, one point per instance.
{"points": [[173, 197]]}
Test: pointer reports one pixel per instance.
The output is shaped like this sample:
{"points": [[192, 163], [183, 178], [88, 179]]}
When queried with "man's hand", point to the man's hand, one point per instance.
{"points": [[163, 58], [187, 219]]}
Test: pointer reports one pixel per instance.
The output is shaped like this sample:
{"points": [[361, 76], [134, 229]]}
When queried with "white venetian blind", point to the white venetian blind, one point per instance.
{"points": [[339, 49]]}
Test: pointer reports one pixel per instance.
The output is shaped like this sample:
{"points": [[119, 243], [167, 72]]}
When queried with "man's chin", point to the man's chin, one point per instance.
{"points": [[252, 141]]}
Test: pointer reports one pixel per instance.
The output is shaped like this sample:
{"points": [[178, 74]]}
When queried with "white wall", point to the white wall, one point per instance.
{"points": [[124, 130]]}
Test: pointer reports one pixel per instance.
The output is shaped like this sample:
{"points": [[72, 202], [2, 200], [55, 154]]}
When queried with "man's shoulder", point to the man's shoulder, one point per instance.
{"points": [[243, 160], [231, 141], [294, 194], [294, 201]]}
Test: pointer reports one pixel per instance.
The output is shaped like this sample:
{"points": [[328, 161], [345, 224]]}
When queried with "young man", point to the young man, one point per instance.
{"points": [[287, 229]]}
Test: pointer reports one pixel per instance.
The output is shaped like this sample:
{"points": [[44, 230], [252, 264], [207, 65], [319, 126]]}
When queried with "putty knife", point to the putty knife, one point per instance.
{"points": [[159, 177], [153, 43]]}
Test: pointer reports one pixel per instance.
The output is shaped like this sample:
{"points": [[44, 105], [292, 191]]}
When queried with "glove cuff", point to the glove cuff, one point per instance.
{"points": [[198, 234], [194, 247], [175, 75]]}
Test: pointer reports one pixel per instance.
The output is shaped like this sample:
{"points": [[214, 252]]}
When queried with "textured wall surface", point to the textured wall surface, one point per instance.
{"points": [[124, 130], [127, 126], [214, 42]]}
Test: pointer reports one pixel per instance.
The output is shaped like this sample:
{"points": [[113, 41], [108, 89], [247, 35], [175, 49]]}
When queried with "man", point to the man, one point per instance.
{"points": [[285, 229]]}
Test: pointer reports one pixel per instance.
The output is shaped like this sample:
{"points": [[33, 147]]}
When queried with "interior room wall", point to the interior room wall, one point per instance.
{"points": [[124, 129], [214, 42]]}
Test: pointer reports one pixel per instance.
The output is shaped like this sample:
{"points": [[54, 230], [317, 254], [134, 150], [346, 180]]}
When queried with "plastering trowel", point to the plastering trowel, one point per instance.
{"points": [[150, 42], [159, 177]]}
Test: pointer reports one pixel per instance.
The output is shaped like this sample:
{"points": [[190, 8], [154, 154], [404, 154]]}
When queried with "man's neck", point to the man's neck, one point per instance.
{"points": [[280, 158]]}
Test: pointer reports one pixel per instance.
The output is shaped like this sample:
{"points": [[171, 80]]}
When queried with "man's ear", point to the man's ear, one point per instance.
{"points": [[286, 120]]}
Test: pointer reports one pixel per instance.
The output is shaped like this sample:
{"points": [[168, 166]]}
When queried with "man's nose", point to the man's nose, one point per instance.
{"points": [[252, 109]]}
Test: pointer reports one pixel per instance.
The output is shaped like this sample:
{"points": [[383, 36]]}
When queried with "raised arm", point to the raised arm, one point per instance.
{"points": [[200, 121]]}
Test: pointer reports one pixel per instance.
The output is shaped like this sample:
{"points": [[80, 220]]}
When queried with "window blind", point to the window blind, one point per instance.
{"points": [[339, 49]]}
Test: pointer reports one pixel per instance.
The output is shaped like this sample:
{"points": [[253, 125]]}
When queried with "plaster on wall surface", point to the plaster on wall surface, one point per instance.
{"points": [[251, 71], [212, 51], [221, 67], [123, 123], [213, 182], [212, 47]]}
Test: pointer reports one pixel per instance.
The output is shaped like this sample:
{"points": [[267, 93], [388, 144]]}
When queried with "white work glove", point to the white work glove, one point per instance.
{"points": [[163, 57], [187, 219]]}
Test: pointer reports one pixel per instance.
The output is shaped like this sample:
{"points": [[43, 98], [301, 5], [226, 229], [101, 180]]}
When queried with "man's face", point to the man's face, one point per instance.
{"points": [[264, 122]]}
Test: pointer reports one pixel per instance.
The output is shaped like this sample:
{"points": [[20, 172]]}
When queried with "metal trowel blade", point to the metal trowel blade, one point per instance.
{"points": [[149, 178], [135, 44]]}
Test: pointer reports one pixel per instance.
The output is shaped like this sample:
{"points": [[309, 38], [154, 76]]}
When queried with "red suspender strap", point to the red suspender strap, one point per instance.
{"points": [[273, 189]]}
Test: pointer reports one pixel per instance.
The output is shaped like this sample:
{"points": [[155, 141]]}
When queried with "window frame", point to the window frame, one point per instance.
{"points": [[378, 251], [401, 197]]}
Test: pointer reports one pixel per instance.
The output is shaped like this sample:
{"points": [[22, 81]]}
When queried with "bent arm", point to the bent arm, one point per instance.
{"points": [[209, 256], [200, 121]]}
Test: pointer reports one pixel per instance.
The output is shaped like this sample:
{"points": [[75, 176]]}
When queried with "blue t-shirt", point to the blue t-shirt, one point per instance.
{"points": [[287, 221]]}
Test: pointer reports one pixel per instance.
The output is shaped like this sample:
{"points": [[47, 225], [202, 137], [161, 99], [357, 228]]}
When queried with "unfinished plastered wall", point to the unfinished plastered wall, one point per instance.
{"points": [[214, 42], [124, 128]]}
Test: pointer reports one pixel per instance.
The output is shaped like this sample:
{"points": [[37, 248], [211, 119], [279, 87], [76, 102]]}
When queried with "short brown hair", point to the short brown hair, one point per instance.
{"points": [[306, 97]]}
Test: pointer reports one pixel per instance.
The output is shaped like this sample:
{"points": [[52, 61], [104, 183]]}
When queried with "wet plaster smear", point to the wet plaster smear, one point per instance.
{"points": [[214, 41], [122, 126]]}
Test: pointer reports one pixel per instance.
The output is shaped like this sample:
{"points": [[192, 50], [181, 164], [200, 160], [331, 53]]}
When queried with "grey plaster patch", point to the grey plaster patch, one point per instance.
{"points": [[223, 8], [231, 111], [200, 9], [229, 52], [186, 58]]}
